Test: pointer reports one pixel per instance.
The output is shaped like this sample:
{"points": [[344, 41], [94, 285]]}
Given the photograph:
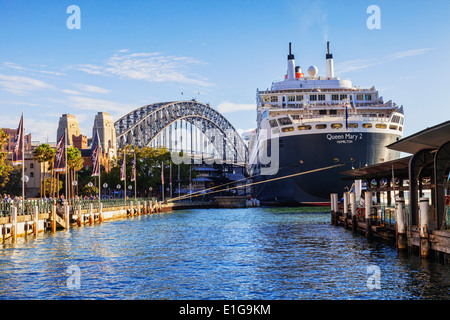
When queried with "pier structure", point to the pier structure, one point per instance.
{"points": [[36, 216], [189, 126], [404, 201]]}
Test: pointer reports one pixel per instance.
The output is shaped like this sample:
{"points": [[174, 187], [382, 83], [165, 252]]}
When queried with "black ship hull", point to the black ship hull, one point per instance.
{"points": [[314, 152]]}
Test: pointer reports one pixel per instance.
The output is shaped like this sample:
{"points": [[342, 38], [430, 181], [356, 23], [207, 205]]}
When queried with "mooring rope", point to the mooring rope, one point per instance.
{"points": [[200, 193]]}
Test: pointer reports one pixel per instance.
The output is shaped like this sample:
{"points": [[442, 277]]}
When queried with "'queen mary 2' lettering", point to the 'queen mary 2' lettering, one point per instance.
{"points": [[345, 138]]}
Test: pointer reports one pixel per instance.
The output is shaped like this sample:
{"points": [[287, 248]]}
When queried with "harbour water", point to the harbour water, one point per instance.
{"points": [[251, 253]]}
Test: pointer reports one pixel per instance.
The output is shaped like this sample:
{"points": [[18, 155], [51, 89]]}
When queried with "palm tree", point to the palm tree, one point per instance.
{"points": [[38, 155], [74, 163]]}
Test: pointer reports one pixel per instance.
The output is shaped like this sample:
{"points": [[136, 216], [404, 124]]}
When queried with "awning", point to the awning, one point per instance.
{"points": [[380, 170], [430, 138]]}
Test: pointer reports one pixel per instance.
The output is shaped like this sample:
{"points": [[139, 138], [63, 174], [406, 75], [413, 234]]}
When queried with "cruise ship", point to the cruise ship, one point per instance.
{"points": [[310, 128]]}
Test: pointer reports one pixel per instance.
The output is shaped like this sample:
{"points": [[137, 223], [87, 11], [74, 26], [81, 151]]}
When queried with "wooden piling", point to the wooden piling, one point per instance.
{"points": [[53, 219], [36, 220], [67, 216], [353, 210], [14, 224], [400, 224], [80, 218], [145, 206], [91, 213], [345, 210], [100, 212], [423, 227], [138, 208], [368, 210]]}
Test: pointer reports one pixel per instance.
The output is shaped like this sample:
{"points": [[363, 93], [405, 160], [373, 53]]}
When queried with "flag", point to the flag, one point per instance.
{"points": [[60, 161], [95, 140], [133, 170], [122, 168], [17, 156], [95, 162]]}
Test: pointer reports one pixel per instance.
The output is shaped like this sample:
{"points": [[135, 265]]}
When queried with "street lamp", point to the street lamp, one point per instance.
{"points": [[105, 185]]}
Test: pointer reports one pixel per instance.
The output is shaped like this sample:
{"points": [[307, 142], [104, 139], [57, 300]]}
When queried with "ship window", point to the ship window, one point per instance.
{"points": [[313, 97], [336, 125], [266, 98], [304, 127], [321, 97], [299, 98], [322, 112], [353, 125], [284, 121], [343, 97], [368, 97], [295, 116], [367, 125], [381, 126], [333, 112], [359, 97], [401, 120], [400, 128], [273, 98], [373, 115], [287, 129], [334, 97], [392, 127], [291, 98], [321, 126], [273, 123]]}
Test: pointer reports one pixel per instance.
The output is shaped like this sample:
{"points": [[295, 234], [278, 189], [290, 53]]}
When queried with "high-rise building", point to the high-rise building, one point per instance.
{"points": [[71, 123], [104, 124]]}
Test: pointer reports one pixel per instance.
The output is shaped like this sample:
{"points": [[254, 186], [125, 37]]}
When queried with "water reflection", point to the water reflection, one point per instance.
{"points": [[254, 253]]}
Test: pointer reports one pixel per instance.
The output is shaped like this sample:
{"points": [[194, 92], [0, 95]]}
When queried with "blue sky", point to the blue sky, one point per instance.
{"points": [[131, 53]]}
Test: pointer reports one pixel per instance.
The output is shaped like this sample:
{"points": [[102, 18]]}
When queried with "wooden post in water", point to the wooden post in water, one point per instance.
{"points": [[80, 218], [368, 210], [145, 206], [100, 212], [53, 219], [36, 220], [14, 224], [66, 216], [345, 211], [131, 208], [336, 208], [332, 207], [138, 209], [400, 224], [91, 213], [353, 209], [423, 227]]}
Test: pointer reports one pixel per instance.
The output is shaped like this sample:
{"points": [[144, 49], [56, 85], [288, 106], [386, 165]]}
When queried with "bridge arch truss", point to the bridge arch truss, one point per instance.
{"points": [[167, 124]]}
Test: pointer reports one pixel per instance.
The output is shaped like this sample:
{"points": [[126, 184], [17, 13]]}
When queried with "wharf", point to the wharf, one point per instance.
{"points": [[51, 217]]}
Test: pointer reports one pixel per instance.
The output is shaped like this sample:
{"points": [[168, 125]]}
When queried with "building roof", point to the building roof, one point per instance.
{"points": [[380, 170], [430, 138]]}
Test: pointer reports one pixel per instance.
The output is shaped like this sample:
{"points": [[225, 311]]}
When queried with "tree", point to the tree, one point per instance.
{"points": [[43, 154], [74, 163]]}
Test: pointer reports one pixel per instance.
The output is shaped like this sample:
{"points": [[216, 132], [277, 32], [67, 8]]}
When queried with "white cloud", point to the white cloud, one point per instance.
{"points": [[359, 64], [22, 85], [15, 66], [151, 67], [91, 89], [86, 103], [228, 107]]}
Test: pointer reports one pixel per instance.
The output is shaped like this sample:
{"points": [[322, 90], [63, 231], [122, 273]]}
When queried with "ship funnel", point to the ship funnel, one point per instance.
{"points": [[330, 66], [291, 64]]}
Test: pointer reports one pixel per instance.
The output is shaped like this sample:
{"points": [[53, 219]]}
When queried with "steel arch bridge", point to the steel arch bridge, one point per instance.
{"points": [[161, 124]]}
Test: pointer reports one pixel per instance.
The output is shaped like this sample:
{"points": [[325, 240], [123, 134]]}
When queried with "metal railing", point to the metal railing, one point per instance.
{"points": [[45, 206]]}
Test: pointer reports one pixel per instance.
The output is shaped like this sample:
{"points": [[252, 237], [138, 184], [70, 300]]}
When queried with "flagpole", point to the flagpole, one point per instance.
{"points": [[125, 176], [65, 151], [23, 162], [162, 180], [135, 176]]}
